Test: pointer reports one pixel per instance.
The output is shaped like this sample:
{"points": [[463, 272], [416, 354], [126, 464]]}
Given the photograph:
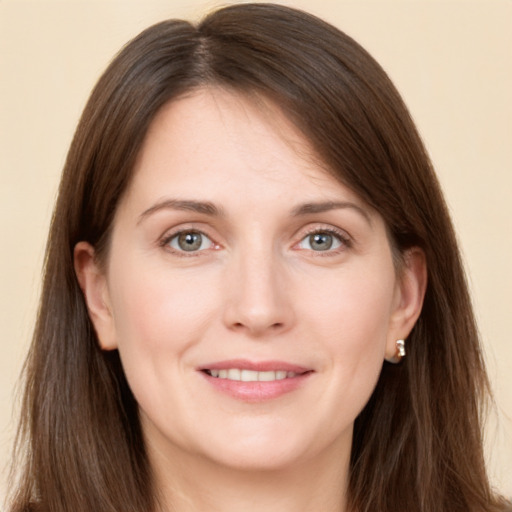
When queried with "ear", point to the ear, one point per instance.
{"points": [[410, 292], [93, 283]]}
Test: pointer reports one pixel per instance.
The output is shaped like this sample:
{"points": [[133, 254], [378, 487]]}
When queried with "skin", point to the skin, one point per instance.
{"points": [[258, 289]]}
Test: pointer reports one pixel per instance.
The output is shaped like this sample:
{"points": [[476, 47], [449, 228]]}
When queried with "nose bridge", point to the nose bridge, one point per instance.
{"points": [[258, 301]]}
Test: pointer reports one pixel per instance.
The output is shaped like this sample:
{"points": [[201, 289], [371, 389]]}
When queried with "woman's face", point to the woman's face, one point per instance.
{"points": [[251, 296]]}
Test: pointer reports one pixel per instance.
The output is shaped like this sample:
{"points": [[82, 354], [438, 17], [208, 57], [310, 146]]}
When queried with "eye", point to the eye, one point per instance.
{"points": [[189, 241], [322, 240]]}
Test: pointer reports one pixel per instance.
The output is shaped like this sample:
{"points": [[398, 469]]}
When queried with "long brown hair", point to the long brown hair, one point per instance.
{"points": [[417, 444]]}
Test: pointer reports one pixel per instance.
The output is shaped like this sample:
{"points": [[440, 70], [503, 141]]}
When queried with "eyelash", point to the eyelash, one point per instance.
{"points": [[341, 236], [166, 241]]}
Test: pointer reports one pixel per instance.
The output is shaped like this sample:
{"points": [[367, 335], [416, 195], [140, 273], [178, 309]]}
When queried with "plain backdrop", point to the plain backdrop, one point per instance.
{"points": [[451, 60]]}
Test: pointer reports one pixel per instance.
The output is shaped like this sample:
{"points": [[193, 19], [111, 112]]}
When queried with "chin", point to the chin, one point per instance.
{"points": [[259, 460], [274, 450]]}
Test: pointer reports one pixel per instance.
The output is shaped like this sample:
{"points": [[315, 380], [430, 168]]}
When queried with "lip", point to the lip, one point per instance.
{"points": [[256, 391], [257, 366]]}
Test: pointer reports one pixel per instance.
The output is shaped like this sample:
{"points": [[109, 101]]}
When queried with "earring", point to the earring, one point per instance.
{"points": [[400, 348], [400, 351]]}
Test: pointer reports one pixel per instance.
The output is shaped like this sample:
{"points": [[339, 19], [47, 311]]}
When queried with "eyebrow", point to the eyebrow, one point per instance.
{"points": [[312, 208], [204, 207], [209, 208]]}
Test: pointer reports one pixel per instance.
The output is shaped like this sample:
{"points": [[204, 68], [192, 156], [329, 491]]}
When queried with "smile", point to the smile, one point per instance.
{"points": [[255, 381], [251, 375]]}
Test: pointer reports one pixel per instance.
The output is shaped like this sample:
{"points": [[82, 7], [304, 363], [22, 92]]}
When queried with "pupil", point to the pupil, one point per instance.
{"points": [[321, 241], [190, 241]]}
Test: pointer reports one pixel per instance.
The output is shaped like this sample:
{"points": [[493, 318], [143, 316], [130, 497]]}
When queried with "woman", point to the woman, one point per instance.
{"points": [[248, 228]]}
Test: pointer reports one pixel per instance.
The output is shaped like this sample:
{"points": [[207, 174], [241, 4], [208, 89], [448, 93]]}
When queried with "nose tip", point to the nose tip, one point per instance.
{"points": [[258, 301]]}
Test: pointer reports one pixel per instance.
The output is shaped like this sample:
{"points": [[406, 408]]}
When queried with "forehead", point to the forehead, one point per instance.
{"points": [[212, 118], [228, 146]]}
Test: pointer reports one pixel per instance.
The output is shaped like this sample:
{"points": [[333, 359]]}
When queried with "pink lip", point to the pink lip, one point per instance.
{"points": [[261, 366], [256, 391]]}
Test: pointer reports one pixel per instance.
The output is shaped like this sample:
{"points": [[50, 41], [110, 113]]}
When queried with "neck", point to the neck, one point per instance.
{"points": [[189, 483]]}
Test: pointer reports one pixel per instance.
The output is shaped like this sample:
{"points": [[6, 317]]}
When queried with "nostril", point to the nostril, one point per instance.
{"points": [[258, 328]]}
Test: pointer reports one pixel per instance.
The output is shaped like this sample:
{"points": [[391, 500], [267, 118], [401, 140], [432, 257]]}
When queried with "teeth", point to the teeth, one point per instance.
{"points": [[251, 375], [268, 376], [233, 374], [248, 376]]}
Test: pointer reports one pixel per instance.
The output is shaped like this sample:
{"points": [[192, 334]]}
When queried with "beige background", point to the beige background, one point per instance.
{"points": [[452, 61]]}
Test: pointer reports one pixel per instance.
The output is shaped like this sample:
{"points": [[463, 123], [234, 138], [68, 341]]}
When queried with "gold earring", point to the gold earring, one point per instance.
{"points": [[400, 351], [400, 348]]}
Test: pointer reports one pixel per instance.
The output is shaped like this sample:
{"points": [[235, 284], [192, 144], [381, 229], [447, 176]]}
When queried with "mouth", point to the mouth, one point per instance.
{"points": [[242, 375], [254, 382]]}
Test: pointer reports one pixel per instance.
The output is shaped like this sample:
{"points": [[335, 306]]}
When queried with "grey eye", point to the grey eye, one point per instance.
{"points": [[190, 241], [321, 241]]}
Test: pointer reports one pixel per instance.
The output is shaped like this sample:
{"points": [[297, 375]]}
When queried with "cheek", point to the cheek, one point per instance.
{"points": [[353, 308], [157, 310], [351, 318], [159, 316]]}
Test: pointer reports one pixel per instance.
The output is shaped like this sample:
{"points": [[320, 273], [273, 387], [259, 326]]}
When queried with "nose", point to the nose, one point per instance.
{"points": [[258, 300]]}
